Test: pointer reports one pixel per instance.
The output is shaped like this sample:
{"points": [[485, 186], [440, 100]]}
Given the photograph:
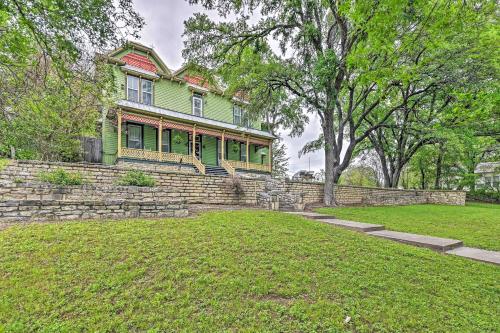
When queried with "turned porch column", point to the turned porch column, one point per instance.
{"points": [[160, 130], [193, 142], [223, 146], [248, 145], [119, 133], [270, 156]]}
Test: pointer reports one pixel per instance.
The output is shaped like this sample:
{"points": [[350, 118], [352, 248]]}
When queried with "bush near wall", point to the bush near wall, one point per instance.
{"points": [[137, 178], [484, 195], [61, 177]]}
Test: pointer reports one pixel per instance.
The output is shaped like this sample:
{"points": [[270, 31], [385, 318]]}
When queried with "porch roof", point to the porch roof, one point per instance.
{"points": [[150, 109]]}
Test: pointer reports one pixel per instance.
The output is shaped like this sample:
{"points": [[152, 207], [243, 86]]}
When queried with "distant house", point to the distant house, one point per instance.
{"points": [[178, 117], [488, 175]]}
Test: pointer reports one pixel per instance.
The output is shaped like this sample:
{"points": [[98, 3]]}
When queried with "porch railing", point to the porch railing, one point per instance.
{"points": [[151, 155], [251, 166], [197, 163], [228, 167]]}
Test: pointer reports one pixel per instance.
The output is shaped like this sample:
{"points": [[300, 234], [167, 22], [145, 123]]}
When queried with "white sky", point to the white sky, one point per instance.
{"points": [[163, 31]]}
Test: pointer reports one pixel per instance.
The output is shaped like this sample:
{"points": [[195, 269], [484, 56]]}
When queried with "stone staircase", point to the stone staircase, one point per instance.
{"points": [[215, 171]]}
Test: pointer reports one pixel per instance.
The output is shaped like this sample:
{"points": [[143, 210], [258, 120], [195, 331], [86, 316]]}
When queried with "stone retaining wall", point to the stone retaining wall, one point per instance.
{"points": [[53, 210], [19, 181]]}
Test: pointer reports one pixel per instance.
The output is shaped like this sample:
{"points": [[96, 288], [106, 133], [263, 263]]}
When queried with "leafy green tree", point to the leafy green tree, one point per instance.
{"points": [[51, 83], [359, 176], [339, 59]]}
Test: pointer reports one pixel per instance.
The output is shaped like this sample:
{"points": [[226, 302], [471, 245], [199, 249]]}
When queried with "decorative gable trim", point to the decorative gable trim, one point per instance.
{"points": [[139, 61], [164, 70]]}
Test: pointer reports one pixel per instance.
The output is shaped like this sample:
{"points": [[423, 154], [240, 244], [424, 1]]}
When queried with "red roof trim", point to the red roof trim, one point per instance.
{"points": [[197, 80], [139, 61]]}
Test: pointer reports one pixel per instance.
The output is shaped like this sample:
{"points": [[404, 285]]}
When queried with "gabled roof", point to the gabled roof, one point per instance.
{"points": [[143, 63], [197, 80], [138, 59]]}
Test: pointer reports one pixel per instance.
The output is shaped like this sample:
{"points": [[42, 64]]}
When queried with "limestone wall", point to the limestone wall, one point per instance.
{"points": [[19, 181], [53, 210]]}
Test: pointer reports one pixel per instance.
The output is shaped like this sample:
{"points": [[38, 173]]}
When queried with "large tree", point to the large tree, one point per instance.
{"points": [[51, 83], [338, 59]]}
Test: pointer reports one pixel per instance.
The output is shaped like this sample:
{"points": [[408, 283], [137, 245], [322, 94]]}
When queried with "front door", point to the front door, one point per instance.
{"points": [[197, 146]]}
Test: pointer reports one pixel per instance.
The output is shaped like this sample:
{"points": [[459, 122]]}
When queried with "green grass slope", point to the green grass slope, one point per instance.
{"points": [[246, 271]]}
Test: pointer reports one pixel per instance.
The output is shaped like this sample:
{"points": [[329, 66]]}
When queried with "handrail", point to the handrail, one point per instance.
{"points": [[197, 163], [251, 166], [228, 167]]}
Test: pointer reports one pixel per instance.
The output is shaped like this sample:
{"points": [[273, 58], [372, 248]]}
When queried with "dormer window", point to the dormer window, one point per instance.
{"points": [[197, 105], [139, 90]]}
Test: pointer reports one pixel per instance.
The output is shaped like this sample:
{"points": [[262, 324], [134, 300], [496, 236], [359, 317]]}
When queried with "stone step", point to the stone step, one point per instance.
{"points": [[492, 257], [312, 215], [434, 243], [356, 226]]}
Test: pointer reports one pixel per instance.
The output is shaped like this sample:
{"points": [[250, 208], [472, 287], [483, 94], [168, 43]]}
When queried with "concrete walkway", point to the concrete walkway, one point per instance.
{"points": [[445, 245]]}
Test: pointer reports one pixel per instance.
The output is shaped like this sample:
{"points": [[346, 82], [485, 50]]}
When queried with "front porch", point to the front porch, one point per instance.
{"points": [[172, 142]]}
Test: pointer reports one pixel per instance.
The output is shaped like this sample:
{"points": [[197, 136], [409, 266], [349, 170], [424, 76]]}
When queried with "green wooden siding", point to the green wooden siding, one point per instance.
{"points": [[150, 139], [209, 150], [109, 142], [176, 96]]}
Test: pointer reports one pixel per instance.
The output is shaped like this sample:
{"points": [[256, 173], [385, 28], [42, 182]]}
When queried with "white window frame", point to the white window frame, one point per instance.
{"points": [[243, 152], [140, 89], [146, 92], [137, 90], [237, 113], [197, 97], [165, 140], [141, 136]]}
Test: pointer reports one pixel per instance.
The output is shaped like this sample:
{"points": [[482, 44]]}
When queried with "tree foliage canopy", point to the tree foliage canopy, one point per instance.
{"points": [[354, 64]]}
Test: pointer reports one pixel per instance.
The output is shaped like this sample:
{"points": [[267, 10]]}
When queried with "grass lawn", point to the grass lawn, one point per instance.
{"points": [[235, 271], [477, 225]]}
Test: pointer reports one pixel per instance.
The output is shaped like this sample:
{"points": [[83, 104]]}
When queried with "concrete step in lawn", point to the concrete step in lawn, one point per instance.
{"points": [[446, 245], [356, 226], [492, 257], [434, 243], [312, 215]]}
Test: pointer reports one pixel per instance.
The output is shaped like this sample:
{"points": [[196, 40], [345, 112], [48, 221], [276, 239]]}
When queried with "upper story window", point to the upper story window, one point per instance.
{"points": [[132, 88], [139, 90], [197, 105], [239, 116], [147, 92]]}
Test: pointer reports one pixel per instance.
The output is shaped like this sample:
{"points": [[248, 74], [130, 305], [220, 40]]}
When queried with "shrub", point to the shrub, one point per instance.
{"points": [[3, 163], [137, 178], [61, 177], [484, 195]]}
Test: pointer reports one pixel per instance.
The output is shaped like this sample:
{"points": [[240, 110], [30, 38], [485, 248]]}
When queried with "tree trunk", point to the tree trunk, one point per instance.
{"points": [[329, 199], [395, 177], [422, 178], [439, 167]]}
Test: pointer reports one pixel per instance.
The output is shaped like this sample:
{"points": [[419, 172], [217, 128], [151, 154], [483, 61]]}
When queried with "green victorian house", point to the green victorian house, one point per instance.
{"points": [[178, 119]]}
